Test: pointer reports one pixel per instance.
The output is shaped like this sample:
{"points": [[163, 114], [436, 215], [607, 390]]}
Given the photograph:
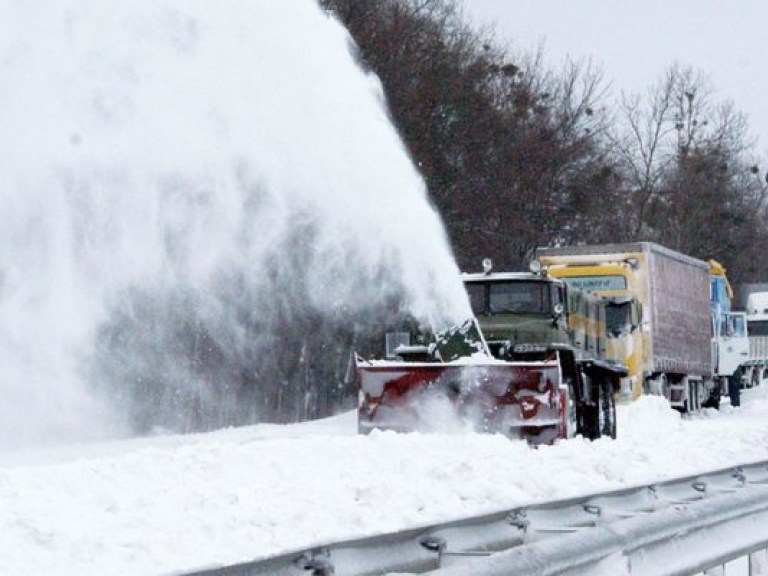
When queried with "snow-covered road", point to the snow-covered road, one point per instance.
{"points": [[164, 504]]}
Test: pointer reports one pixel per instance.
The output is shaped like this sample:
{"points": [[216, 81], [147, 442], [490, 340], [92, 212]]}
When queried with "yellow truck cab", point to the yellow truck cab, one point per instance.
{"points": [[616, 281]]}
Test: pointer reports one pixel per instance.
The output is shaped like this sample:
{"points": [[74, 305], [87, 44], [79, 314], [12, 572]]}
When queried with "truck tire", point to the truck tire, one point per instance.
{"points": [[600, 412], [694, 394], [581, 384], [758, 375], [754, 376], [713, 401], [607, 411], [568, 426], [734, 390]]}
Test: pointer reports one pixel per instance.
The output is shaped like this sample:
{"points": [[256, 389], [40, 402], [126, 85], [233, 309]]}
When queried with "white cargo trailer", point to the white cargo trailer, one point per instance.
{"points": [[755, 369]]}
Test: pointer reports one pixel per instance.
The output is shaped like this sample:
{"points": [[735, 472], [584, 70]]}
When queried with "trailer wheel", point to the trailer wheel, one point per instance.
{"points": [[693, 393], [658, 385], [713, 400]]}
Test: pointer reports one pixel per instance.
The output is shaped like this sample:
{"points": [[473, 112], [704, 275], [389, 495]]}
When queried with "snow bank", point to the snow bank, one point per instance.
{"points": [[157, 505]]}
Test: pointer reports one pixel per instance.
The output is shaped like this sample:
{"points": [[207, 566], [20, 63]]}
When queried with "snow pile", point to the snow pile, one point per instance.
{"points": [[154, 506]]}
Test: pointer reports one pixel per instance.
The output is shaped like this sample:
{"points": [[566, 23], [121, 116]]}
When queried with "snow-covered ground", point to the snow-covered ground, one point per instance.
{"points": [[167, 504], [186, 146]]}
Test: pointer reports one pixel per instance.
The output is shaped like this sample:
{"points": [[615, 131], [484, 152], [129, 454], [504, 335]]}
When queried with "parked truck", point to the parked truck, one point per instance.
{"points": [[730, 346], [755, 368], [664, 325]]}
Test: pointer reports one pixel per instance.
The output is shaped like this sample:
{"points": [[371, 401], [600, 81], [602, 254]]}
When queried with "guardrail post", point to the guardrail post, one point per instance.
{"points": [[758, 563], [435, 544], [318, 563], [519, 519]]}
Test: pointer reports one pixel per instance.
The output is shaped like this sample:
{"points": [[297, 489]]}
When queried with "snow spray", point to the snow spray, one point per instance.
{"points": [[162, 162]]}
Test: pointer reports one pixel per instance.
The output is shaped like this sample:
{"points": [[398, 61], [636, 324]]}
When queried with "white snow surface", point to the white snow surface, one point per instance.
{"points": [[166, 505], [95, 129]]}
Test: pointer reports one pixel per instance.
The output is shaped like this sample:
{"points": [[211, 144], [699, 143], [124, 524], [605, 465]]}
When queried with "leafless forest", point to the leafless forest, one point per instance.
{"points": [[516, 155]]}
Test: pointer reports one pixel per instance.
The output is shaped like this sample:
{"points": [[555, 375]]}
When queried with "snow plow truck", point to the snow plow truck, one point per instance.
{"points": [[532, 364]]}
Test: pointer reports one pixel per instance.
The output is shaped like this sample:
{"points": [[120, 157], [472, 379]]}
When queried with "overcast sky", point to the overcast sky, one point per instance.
{"points": [[636, 40]]}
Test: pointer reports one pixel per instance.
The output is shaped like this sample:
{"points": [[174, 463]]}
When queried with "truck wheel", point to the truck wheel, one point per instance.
{"points": [[694, 395], [607, 411], [600, 413], [713, 401], [734, 390], [568, 427], [585, 415]]}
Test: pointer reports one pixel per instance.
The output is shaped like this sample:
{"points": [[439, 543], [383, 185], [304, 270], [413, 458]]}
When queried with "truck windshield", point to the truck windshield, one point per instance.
{"points": [[509, 296], [733, 325], [618, 318]]}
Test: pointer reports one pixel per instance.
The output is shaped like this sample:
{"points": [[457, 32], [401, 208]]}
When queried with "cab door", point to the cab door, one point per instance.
{"points": [[732, 343]]}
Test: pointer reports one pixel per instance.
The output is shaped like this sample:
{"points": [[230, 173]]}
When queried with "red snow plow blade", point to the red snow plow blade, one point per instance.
{"points": [[520, 399]]}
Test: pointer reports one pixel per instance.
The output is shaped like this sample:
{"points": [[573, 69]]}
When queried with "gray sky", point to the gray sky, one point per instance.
{"points": [[636, 40]]}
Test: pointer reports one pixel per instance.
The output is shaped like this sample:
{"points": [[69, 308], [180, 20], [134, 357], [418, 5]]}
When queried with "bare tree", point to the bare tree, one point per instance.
{"points": [[557, 178], [689, 169]]}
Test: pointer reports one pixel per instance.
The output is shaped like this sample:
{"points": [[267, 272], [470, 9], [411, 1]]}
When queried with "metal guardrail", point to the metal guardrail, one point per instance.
{"points": [[678, 541], [626, 525]]}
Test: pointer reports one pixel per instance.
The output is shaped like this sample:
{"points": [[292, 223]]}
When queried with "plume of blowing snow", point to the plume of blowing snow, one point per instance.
{"points": [[167, 159]]}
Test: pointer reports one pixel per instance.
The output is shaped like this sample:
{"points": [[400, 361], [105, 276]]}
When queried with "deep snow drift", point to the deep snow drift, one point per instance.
{"points": [[161, 161], [168, 504]]}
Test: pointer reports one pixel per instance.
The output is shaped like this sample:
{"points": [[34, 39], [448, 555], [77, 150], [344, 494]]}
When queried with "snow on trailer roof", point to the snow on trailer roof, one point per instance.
{"points": [[595, 249]]}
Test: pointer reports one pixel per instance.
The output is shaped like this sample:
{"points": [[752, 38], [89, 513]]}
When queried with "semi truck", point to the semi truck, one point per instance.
{"points": [[730, 346], [675, 342]]}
